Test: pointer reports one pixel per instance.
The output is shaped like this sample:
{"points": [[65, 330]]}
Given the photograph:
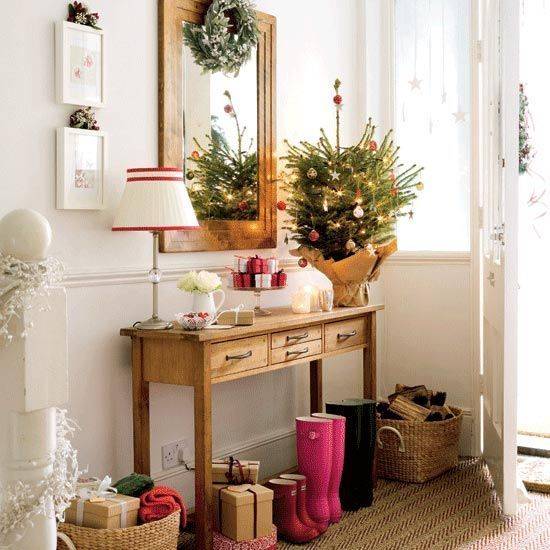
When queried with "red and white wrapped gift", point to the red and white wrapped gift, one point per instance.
{"points": [[241, 264], [272, 265], [278, 279], [247, 280], [263, 543], [263, 280], [255, 264], [237, 280]]}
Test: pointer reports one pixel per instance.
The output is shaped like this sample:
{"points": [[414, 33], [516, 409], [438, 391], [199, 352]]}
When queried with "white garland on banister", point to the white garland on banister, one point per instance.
{"points": [[20, 282], [21, 501]]}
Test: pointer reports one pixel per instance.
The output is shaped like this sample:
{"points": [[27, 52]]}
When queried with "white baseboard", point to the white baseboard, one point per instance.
{"points": [[276, 451]]}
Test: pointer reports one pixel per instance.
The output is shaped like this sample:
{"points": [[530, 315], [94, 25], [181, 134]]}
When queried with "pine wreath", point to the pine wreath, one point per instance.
{"points": [[225, 41]]}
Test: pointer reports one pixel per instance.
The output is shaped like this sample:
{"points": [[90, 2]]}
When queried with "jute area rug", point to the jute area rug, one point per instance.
{"points": [[455, 511], [535, 473]]}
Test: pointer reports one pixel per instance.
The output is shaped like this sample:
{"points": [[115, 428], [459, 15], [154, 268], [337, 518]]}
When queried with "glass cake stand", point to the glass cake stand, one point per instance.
{"points": [[258, 309]]}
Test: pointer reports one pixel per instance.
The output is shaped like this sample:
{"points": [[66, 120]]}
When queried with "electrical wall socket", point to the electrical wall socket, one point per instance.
{"points": [[174, 454]]}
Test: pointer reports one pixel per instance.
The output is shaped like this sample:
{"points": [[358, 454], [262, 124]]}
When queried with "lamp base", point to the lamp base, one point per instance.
{"points": [[153, 323]]}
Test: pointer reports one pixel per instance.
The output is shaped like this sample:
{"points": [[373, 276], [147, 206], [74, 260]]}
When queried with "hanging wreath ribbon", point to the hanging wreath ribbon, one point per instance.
{"points": [[225, 41]]}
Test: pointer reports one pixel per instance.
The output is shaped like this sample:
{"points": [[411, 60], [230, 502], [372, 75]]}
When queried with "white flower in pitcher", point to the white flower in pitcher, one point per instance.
{"points": [[188, 282], [208, 282]]}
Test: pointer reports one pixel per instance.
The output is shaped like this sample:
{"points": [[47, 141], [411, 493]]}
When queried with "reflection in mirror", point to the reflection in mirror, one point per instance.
{"points": [[220, 140]]}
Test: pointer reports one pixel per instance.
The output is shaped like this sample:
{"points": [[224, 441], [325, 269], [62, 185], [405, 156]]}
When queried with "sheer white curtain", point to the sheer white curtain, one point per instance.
{"points": [[432, 119], [534, 237]]}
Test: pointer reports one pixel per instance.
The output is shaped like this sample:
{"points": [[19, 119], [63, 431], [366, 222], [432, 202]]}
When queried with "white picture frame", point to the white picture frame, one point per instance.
{"points": [[80, 64], [81, 164]]}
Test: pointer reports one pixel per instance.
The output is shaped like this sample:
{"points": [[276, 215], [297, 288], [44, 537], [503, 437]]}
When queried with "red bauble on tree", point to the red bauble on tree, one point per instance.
{"points": [[195, 154], [337, 99], [281, 205], [373, 146], [243, 205], [228, 109], [313, 236], [302, 262]]}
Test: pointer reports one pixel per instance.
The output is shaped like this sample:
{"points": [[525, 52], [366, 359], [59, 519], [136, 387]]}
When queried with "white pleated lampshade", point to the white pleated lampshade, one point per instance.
{"points": [[155, 199]]}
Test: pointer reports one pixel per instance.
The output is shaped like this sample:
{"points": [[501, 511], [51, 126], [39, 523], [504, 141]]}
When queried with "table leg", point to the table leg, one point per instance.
{"points": [[140, 405], [369, 359], [316, 385], [203, 456]]}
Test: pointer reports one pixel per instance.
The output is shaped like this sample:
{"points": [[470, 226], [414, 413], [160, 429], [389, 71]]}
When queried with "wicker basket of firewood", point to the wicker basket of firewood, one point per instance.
{"points": [[417, 435]]}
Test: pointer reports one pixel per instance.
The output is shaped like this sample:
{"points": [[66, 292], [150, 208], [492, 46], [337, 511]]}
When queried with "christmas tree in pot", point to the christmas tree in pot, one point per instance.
{"points": [[343, 204]]}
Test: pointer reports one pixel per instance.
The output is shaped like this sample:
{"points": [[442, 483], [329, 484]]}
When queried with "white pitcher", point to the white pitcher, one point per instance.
{"points": [[204, 301]]}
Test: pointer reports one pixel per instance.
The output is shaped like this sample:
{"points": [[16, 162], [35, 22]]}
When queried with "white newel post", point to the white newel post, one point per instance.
{"points": [[33, 382]]}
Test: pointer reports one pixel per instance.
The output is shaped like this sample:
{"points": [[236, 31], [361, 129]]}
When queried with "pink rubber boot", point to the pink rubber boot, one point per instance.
{"points": [[338, 448], [314, 443], [301, 508]]}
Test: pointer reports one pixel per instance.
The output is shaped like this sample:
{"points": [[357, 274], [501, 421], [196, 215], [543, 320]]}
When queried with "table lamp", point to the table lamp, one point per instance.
{"points": [[155, 199]]}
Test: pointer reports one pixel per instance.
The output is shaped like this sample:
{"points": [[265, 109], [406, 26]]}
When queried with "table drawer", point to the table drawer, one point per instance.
{"points": [[297, 351], [296, 336], [238, 355], [344, 334]]}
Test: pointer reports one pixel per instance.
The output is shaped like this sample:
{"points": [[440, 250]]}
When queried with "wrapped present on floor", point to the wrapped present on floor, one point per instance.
{"points": [[243, 512], [268, 542], [236, 316], [100, 507], [263, 280], [236, 472]]}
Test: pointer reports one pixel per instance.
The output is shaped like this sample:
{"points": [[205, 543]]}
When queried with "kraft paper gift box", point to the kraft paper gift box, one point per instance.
{"points": [[114, 512], [243, 512], [234, 317], [228, 471]]}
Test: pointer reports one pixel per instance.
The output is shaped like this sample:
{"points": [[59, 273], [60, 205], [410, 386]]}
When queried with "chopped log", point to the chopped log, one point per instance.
{"points": [[439, 398], [422, 400], [445, 411], [391, 415], [409, 410], [410, 392]]}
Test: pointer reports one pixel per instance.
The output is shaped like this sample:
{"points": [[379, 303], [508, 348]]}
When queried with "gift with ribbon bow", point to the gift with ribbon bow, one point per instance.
{"points": [[98, 505], [243, 512], [235, 472], [236, 316]]}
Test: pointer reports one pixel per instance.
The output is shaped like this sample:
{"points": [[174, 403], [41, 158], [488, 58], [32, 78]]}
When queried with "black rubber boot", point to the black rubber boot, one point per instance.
{"points": [[356, 488]]}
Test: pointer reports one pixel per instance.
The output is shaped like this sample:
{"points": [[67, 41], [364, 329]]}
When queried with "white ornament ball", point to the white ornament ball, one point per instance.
{"points": [[358, 212], [25, 234]]}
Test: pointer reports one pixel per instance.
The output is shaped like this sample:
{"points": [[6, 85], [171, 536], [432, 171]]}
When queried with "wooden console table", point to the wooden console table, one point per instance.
{"points": [[200, 359]]}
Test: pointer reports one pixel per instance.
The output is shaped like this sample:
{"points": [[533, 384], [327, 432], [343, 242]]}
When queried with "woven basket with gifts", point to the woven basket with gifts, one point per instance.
{"points": [[343, 204]]}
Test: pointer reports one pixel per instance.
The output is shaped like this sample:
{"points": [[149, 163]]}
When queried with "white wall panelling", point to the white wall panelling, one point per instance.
{"points": [[427, 296]]}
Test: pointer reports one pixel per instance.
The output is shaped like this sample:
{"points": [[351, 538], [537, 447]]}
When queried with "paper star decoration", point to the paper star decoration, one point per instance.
{"points": [[411, 214], [335, 175], [415, 83], [371, 250], [460, 116]]}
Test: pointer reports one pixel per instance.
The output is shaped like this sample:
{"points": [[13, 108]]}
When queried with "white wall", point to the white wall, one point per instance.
{"points": [[317, 41]]}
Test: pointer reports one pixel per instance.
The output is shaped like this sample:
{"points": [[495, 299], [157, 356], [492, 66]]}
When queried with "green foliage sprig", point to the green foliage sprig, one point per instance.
{"points": [[224, 180], [342, 199], [225, 41]]}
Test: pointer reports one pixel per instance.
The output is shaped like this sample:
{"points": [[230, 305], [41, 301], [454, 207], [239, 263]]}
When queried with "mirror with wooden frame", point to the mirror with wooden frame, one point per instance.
{"points": [[233, 114]]}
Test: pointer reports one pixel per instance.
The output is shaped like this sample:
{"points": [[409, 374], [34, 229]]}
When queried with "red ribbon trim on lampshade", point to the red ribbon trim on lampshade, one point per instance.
{"points": [[159, 169], [163, 228], [154, 178]]}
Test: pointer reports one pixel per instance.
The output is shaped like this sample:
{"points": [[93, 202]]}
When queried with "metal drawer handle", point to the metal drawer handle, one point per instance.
{"points": [[297, 352], [297, 336], [342, 335], [239, 356]]}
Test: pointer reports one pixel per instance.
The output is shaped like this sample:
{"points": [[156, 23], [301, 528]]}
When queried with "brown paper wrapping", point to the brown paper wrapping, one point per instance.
{"points": [[351, 276], [251, 470], [234, 515], [231, 317], [105, 514]]}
